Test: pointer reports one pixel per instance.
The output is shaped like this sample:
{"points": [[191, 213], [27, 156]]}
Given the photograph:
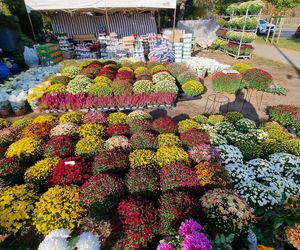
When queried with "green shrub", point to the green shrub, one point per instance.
{"points": [[249, 149], [257, 79], [229, 83], [200, 119], [193, 88], [282, 116], [270, 125], [214, 119], [186, 76], [143, 86], [272, 146], [239, 36], [293, 146], [241, 67], [233, 117], [278, 134], [188, 124], [165, 86], [120, 87], [158, 68], [102, 79], [100, 89]]}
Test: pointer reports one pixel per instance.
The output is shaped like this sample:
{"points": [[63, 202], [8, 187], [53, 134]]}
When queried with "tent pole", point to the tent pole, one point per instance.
{"points": [[174, 25], [107, 21], [31, 25]]}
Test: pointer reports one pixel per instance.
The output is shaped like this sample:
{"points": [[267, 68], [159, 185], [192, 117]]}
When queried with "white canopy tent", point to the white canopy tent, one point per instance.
{"points": [[100, 6]]}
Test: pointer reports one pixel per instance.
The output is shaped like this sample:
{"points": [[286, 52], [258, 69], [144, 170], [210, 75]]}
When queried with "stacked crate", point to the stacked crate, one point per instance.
{"points": [[187, 46], [178, 52], [49, 54]]}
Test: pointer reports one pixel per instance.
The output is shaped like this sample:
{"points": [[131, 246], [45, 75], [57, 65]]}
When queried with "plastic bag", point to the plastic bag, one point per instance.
{"points": [[30, 57], [4, 71]]}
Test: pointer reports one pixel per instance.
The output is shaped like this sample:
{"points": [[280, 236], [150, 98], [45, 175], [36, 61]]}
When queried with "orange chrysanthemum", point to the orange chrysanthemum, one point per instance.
{"points": [[211, 174], [293, 235]]}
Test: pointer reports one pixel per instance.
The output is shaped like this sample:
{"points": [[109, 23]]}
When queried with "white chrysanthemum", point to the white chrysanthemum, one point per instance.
{"points": [[230, 154], [88, 241], [217, 139], [261, 135], [55, 243], [58, 233], [240, 173], [284, 161]]}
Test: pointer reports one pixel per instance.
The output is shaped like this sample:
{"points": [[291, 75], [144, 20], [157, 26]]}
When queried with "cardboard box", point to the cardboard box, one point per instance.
{"points": [[187, 40], [83, 38], [68, 54], [168, 33], [188, 35]]}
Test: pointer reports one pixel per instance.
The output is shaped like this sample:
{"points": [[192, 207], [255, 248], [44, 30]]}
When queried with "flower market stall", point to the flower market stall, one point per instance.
{"points": [[114, 29], [85, 180]]}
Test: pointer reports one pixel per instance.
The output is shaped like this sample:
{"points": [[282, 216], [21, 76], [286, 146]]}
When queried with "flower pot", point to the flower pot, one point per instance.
{"points": [[37, 110], [5, 112], [227, 94], [19, 112], [259, 218], [251, 91]]}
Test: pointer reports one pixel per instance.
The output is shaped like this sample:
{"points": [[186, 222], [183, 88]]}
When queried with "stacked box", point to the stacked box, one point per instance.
{"points": [[49, 54], [187, 46], [178, 51]]}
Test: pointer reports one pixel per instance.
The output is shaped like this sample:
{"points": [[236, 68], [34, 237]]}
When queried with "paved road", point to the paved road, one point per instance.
{"points": [[278, 54]]}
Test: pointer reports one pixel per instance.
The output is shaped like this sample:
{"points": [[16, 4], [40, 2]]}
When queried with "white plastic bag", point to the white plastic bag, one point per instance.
{"points": [[30, 57]]}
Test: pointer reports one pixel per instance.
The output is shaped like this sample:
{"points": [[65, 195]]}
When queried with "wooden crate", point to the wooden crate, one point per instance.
{"points": [[84, 38]]}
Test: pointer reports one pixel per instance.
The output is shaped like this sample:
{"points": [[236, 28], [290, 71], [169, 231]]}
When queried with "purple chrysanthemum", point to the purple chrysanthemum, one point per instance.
{"points": [[196, 241], [188, 227], [165, 246]]}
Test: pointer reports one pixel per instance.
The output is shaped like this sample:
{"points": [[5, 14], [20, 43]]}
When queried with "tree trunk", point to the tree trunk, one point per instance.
{"points": [[182, 9]]}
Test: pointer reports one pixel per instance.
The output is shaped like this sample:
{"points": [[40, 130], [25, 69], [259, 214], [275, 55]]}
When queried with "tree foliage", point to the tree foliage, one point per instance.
{"points": [[284, 4]]}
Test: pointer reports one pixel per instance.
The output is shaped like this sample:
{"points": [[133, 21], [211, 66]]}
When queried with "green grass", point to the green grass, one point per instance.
{"points": [[286, 43]]}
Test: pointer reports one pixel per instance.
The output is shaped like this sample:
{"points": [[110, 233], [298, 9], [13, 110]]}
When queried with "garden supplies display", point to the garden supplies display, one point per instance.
{"points": [[187, 46], [66, 46], [13, 92], [108, 85], [238, 29], [49, 54], [127, 181]]}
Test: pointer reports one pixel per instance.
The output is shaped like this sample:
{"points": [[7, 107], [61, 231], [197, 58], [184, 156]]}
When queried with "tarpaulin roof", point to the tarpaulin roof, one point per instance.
{"points": [[98, 4]]}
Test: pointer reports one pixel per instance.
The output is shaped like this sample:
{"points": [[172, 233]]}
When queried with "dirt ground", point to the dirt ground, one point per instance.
{"points": [[285, 75]]}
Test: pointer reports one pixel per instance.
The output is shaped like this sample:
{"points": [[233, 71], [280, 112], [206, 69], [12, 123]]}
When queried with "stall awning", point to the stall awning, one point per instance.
{"points": [[98, 4]]}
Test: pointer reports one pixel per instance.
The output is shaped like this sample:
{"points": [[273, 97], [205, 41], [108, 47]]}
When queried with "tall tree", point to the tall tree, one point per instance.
{"points": [[285, 4]]}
